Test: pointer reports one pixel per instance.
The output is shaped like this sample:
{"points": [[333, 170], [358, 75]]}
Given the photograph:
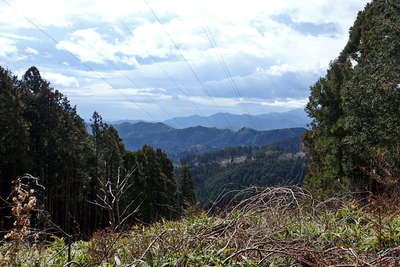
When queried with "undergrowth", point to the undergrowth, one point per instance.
{"points": [[270, 227]]}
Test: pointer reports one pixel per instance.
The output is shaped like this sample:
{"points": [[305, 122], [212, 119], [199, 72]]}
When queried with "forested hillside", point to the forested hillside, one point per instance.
{"points": [[83, 181], [181, 142], [100, 195], [237, 168], [86, 179]]}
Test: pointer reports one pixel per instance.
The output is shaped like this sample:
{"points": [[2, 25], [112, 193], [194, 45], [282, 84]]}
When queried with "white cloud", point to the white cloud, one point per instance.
{"points": [[67, 12], [16, 36], [90, 46], [8, 47], [103, 90], [32, 51], [234, 31], [258, 49], [279, 70], [231, 102], [286, 103], [60, 79]]}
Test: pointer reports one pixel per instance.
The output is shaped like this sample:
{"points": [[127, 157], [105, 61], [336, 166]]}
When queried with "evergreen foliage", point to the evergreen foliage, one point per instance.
{"points": [[187, 187], [14, 137], [42, 134], [154, 184], [353, 143], [236, 168]]}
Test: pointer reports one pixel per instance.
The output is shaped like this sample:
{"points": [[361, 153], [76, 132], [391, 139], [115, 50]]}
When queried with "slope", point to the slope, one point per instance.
{"points": [[236, 168]]}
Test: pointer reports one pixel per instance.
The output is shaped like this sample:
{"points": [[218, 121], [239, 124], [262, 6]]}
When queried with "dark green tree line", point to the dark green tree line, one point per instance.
{"points": [[43, 135], [353, 143]]}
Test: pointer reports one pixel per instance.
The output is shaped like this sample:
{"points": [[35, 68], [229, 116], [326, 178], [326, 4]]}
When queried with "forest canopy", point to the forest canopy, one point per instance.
{"points": [[87, 179], [353, 143]]}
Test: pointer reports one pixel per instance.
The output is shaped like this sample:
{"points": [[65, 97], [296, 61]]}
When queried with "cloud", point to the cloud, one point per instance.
{"points": [[281, 69], [235, 31], [32, 51], [103, 90], [67, 13], [60, 79], [231, 102], [90, 46], [287, 103], [8, 47], [15, 36], [274, 50]]}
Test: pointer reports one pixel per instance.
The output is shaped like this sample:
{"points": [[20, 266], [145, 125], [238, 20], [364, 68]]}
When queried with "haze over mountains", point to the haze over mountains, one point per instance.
{"points": [[269, 121], [182, 142], [262, 122]]}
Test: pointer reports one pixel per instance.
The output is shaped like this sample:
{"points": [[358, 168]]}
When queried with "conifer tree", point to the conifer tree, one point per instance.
{"points": [[187, 188], [43, 135], [353, 143], [14, 137], [57, 145]]}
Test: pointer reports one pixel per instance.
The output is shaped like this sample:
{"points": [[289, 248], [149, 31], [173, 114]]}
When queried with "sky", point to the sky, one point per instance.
{"points": [[156, 59]]}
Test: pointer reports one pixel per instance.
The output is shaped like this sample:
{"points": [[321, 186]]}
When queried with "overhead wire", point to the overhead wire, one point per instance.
{"points": [[100, 77], [179, 87], [222, 61], [225, 67], [135, 85], [190, 66], [172, 80], [213, 42]]}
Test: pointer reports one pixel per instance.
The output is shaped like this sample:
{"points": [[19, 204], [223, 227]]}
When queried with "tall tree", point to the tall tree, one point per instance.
{"points": [[154, 184], [43, 135], [187, 188], [353, 143], [57, 147], [14, 137]]}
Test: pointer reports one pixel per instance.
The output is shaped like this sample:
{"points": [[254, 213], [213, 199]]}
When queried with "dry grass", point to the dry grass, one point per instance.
{"points": [[263, 227]]}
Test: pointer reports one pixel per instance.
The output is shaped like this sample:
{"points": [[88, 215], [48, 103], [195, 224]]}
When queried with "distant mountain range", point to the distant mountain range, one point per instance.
{"points": [[291, 119], [181, 142], [263, 122]]}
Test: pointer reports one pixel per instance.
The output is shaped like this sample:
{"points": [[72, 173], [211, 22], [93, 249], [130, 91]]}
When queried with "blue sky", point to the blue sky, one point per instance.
{"points": [[208, 56]]}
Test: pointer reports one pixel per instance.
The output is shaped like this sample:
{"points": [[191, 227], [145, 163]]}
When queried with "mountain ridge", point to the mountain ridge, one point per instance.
{"points": [[223, 120], [263, 122], [180, 142]]}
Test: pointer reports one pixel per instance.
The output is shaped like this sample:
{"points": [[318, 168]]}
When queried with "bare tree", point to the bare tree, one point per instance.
{"points": [[110, 196]]}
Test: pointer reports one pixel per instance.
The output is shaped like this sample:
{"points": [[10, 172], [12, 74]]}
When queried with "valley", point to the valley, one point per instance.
{"points": [[178, 143], [235, 133]]}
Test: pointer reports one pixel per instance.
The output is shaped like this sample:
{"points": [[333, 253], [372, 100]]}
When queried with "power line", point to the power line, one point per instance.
{"points": [[225, 67], [184, 58], [136, 86], [100, 77], [166, 74], [213, 43]]}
